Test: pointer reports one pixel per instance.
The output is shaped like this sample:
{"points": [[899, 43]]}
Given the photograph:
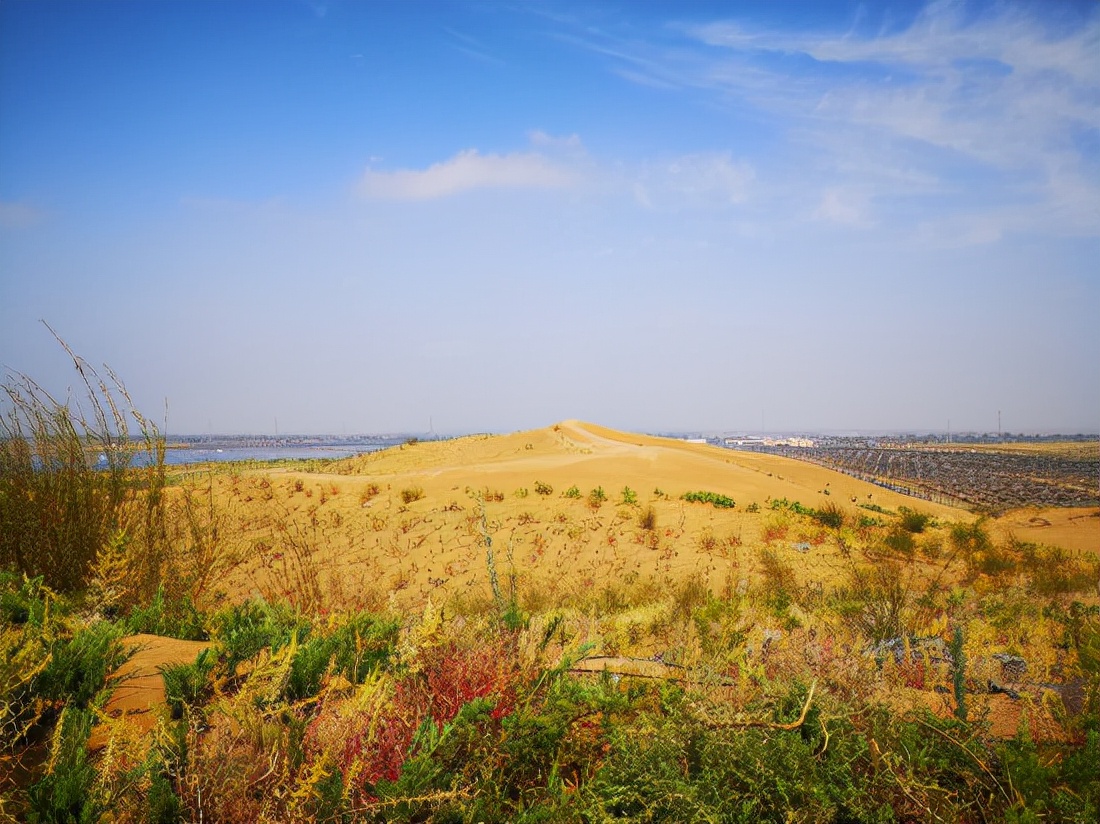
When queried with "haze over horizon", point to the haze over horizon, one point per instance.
{"points": [[697, 216]]}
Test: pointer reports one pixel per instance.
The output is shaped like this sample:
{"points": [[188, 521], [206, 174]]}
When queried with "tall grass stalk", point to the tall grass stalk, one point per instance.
{"points": [[73, 478]]}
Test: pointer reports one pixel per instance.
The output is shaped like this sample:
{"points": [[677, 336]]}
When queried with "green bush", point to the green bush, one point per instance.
{"points": [[354, 649], [901, 542], [596, 497], [64, 793], [874, 601], [186, 684], [913, 521], [362, 644], [830, 515], [572, 492], [24, 600], [713, 498], [176, 618], [78, 667], [245, 629], [781, 504], [628, 496]]}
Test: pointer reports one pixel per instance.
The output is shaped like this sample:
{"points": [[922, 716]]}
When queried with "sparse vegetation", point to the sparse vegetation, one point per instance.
{"points": [[715, 499], [830, 515], [912, 520], [543, 661]]}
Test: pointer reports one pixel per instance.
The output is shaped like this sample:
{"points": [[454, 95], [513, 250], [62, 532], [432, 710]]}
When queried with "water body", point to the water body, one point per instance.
{"points": [[229, 453], [179, 457]]}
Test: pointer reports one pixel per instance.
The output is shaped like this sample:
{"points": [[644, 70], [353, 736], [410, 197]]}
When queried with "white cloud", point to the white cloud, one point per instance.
{"points": [[468, 170], [569, 143], [702, 179], [843, 207], [981, 106]]}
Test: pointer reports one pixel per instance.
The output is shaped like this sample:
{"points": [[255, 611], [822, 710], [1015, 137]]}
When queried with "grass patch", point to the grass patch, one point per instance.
{"points": [[715, 499]]}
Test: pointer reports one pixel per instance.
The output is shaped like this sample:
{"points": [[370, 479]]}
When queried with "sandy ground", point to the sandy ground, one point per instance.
{"points": [[1076, 529], [347, 538], [140, 691]]}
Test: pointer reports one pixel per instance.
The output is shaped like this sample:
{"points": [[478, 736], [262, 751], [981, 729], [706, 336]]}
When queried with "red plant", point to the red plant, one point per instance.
{"points": [[774, 532], [450, 677]]}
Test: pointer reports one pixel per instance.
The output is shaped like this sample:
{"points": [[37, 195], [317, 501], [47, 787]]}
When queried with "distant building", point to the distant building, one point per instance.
{"points": [[744, 441], [804, 443]]}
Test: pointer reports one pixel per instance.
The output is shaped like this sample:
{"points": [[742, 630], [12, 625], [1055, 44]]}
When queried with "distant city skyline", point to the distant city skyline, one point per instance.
{"points": [[690, 216]]}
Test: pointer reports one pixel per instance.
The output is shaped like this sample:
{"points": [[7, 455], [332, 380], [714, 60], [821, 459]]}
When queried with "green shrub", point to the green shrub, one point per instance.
{"points": [[628, 496], [596, 497], [782, 504], [830, 515], [957, 649], [572, 492], [874, 601], [901, 542], [64, 793], [713, 498], [1054, 571], [245, 629], [362, 644], [970, 538], [913, 521], [78, 667], [24, 600], [875, 508], [178, 618], [308, 668], [186, 684]]}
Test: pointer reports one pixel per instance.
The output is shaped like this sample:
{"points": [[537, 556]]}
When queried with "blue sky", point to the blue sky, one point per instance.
{"points": [[362, 217]]}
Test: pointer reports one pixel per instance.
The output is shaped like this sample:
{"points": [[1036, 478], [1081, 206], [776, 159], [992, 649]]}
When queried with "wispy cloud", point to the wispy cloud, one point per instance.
{"points": [[990, 109], [472, 48], [847, 208], [469, 169], [711, 179]]}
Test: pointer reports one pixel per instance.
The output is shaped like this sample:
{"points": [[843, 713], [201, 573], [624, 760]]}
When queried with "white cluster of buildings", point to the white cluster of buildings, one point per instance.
{"points": [[805, 443]]}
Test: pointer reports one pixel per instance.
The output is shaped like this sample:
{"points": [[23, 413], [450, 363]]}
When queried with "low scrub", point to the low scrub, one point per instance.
{"points": [[715, 499], [830, 515]]}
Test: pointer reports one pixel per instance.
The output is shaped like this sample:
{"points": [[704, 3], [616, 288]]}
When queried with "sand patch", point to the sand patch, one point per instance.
{"points": [[140, 691]]}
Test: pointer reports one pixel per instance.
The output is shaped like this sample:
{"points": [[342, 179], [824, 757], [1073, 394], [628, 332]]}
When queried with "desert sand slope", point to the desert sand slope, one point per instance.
{"points": [[399, 526], [574, 452]]}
